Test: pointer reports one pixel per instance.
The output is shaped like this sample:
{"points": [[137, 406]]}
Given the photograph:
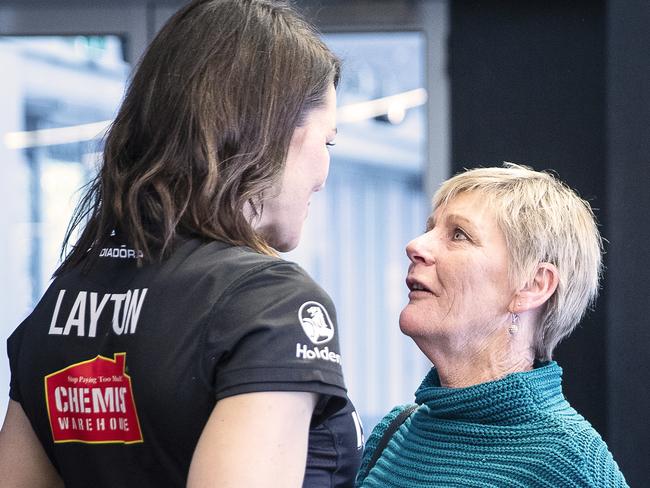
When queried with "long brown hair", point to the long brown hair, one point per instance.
{"points": [[204, 128]]}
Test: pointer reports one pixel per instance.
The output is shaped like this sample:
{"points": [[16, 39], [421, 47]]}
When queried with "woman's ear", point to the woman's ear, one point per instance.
{"points": [[536, 292]]}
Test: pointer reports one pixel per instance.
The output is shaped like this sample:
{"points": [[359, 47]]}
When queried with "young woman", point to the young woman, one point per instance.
{"points": [[174, 347]]}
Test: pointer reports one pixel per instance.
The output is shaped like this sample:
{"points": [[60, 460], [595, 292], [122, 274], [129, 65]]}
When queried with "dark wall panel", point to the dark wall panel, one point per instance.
{"points": [[567, 87], [528, 86], [628, 175]]}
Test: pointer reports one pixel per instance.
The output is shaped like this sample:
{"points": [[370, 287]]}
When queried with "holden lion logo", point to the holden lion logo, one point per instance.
{"points": [[316, 322]]}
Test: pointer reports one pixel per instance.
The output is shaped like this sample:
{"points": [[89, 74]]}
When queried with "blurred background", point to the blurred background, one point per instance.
{"points": [[429, 87]]}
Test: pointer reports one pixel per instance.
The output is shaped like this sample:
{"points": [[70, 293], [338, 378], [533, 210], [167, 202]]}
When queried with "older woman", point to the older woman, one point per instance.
{"points": [[508, 265]]}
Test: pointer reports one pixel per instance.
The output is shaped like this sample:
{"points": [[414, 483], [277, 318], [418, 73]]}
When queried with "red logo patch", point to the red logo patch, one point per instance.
{"points": [[92, 402]]}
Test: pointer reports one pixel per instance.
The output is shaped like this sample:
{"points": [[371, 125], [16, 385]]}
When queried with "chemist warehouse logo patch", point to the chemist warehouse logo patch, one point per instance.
{"points": [[316, 324], [92, 402]]}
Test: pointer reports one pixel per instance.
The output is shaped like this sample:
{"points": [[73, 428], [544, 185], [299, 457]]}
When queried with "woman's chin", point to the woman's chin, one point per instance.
{"points": [[413, 323], [283, 239], [409, 323], [286, 245]]}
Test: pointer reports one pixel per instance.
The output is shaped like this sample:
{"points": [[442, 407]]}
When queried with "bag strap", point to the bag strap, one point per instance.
{"points": [[388, 433]]}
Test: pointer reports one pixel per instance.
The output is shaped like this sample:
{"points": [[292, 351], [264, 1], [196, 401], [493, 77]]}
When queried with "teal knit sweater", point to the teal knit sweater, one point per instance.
{"points": [[518, 431]]}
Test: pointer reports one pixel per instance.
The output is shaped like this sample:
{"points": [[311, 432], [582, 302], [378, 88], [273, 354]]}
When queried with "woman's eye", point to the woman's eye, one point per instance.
{"points": [[330, 144], [459, 235]]}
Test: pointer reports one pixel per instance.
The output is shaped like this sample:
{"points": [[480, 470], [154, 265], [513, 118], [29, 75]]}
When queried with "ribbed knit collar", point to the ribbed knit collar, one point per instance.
{"points": [[514, 399]]}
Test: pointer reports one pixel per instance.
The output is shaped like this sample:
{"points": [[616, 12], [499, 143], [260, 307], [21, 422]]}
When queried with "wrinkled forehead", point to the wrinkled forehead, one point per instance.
{"points": [[473, 201]]}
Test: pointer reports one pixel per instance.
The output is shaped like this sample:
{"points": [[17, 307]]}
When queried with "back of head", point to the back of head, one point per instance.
{"points": [[543, 220], [205, 127]]}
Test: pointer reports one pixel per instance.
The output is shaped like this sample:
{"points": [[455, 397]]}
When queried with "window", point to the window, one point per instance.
{"points": [[374, 202], [57, 98]]}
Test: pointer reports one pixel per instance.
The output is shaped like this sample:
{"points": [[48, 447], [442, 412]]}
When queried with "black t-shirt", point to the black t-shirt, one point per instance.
{"points": [[335, 449], [119, 367]]}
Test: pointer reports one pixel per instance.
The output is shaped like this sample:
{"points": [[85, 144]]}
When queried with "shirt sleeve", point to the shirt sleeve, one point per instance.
{"points": [[274, 329]]}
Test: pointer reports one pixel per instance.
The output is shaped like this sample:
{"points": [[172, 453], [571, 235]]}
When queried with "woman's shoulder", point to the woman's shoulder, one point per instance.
{"points": [[588, 445], [376, 436], [234, 264], [383, 425], [598, 459]]}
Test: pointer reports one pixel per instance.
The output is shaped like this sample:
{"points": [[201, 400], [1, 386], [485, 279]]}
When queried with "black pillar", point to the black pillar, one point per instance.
{"points": [[566, 86], [628, 176], [528, 86]]}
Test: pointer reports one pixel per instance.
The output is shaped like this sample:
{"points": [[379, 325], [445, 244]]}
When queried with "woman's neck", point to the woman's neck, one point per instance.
{"points": [[464, 363]]}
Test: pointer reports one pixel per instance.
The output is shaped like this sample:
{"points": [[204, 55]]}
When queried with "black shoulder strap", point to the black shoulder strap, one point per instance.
{"points": [[388, 433]]}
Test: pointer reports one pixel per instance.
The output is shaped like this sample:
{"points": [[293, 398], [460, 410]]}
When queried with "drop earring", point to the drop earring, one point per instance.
{"points": [[514, 324]]}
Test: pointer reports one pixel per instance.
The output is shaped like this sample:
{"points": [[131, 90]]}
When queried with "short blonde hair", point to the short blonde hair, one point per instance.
{"points": [[543, 220]]}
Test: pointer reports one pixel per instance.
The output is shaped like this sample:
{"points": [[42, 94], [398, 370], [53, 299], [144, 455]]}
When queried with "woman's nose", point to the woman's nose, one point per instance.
{"points": [[420, 249]]}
